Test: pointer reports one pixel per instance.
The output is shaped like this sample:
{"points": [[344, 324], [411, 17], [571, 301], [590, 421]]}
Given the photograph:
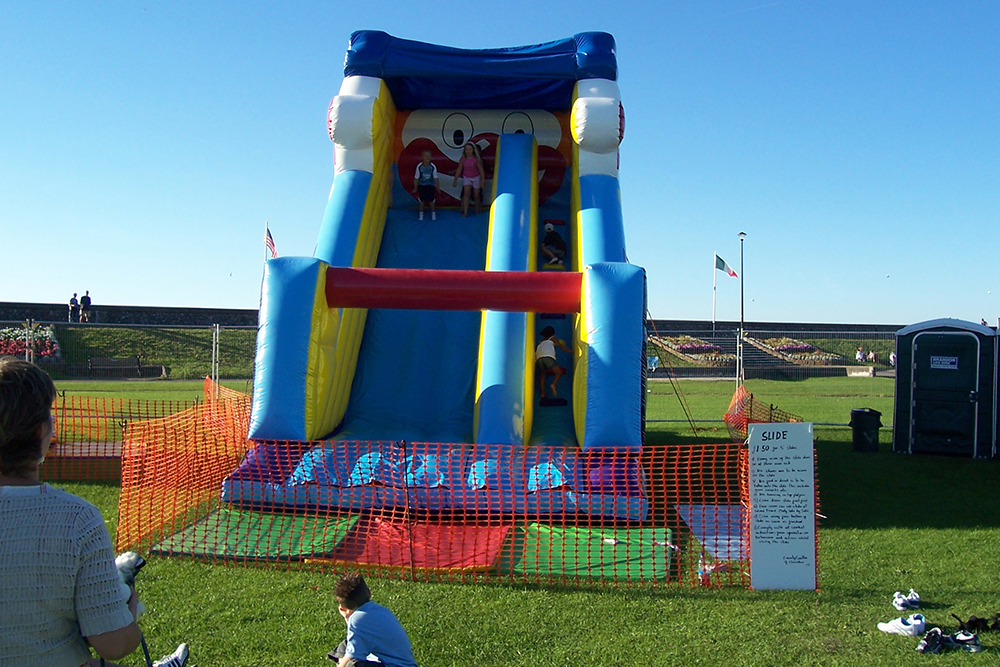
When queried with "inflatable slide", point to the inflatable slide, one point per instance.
{"points": [[397, 365]]}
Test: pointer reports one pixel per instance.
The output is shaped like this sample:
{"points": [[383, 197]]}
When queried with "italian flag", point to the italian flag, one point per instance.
{"points": [[721, 265]]}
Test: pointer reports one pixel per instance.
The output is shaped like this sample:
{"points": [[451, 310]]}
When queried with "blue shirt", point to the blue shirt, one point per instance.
{"points": [[425, 175], [374, 629]]}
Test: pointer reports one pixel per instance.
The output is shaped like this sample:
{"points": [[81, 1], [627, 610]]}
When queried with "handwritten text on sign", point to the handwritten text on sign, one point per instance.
{"points": [[782, 509]]}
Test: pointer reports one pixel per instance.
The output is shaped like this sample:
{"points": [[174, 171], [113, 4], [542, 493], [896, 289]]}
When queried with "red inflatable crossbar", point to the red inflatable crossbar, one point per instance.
{"points": [[427, 289]]}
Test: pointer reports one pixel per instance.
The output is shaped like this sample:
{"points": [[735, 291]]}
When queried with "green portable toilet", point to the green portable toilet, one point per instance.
{"points": [[945, 389]]}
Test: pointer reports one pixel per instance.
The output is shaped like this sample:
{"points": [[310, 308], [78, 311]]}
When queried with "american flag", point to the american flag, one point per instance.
{"points": [[269, 243]]}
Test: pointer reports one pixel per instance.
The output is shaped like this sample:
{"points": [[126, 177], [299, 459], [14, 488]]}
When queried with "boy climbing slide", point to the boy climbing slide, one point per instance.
{"points": [[545, 359]]}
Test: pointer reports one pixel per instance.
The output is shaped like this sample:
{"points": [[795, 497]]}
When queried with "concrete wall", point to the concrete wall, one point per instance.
{"points": [[103, 314], [690, 326]]}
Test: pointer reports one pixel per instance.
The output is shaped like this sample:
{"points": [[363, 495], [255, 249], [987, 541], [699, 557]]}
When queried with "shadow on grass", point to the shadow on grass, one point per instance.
{"points": [[887, 490], [683, 435], [884, 489]]}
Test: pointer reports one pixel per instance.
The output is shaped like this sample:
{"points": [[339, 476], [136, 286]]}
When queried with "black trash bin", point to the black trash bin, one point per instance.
{"points": [[865, 423]]}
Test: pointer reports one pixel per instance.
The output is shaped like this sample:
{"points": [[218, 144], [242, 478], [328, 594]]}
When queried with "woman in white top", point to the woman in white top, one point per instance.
{"points": [[60, 589]]}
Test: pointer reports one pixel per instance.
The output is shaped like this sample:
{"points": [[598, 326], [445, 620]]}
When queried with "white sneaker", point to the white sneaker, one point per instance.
{"points": [[913, 626], [913, 599], [175, 659], [434, 215], [421, 216]]}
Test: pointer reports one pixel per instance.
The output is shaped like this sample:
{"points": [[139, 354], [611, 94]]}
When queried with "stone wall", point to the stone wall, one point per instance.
{"points": [[689, 326], [102, 314]]}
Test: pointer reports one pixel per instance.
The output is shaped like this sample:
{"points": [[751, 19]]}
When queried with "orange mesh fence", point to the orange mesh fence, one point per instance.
{"points": [[87, 443], [745, 410], [194, 487], [172, 467]]}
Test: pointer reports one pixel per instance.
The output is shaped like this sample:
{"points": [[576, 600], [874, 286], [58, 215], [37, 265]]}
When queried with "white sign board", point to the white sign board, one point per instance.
{"points": [[782, 507]]}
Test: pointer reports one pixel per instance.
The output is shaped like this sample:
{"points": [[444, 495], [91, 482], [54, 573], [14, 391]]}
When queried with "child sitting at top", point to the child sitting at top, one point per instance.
{"points": [[374, 635]]}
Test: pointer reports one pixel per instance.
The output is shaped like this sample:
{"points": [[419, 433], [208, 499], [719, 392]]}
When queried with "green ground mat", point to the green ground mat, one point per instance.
{"points": [[234, 533], [627, 554]]}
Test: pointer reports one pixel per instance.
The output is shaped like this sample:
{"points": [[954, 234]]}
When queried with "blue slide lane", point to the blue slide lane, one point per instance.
{"points": [[417, 368], [416, 371]]}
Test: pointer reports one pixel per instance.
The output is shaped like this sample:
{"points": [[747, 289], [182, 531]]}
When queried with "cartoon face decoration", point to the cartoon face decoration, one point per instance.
{"points": [[444, 132]]}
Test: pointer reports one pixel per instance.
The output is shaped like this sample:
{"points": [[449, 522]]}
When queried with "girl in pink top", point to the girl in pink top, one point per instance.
{"points": [[470, 168]]}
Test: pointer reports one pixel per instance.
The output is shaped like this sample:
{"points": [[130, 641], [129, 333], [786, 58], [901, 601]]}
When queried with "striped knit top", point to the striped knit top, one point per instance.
{"points": [[58, 581]]}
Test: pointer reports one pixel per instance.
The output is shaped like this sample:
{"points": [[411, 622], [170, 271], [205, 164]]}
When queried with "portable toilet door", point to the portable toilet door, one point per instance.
{"points": [[951, 390]]}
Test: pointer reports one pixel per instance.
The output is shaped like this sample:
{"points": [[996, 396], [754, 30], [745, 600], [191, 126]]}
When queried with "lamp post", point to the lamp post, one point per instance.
{"points": [[740, 372]]}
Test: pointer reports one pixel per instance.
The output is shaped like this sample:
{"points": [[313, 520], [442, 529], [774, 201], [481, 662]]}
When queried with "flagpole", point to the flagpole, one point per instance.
{"points": [[741, 376], [715, 279], [265, 246]]}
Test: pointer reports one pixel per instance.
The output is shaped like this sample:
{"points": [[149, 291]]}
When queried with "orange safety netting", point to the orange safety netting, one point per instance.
{"points": [[745, 410], [88, 436], [193, 486]]}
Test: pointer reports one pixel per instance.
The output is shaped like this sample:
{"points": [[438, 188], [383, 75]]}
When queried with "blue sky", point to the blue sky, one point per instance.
{"points": [[857, 144]]}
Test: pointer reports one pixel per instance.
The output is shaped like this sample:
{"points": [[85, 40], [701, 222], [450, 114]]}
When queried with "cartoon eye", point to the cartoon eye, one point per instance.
{"points": [[518, 122], [456, 130]]}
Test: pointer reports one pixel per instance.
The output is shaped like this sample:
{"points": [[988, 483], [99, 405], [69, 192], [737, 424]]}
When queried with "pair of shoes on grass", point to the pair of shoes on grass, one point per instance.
{"points": [[176, 659], [903, 602], [936, 642]]}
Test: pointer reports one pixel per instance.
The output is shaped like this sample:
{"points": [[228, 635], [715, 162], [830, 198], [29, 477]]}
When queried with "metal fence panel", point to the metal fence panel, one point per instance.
{"points": [[104, 351], [115, 351], [772, 354]]}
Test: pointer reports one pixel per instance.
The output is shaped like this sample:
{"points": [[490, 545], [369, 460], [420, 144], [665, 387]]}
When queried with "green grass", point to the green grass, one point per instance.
{"points": [[186, 351], [146, 390], [817, 400], [893, 522]]}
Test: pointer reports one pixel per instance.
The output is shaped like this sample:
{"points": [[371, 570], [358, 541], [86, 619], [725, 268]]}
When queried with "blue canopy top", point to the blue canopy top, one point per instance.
{"points": [[428, 76]]}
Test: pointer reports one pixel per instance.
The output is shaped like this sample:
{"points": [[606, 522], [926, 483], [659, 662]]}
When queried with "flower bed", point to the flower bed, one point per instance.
{"points": [[14, 341], [695, 349], [796, 350]]}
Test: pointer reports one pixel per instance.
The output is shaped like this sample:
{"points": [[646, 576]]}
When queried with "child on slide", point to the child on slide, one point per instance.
{"points": [[553, 246], [425, 181], [470, 168], [545, 359]]}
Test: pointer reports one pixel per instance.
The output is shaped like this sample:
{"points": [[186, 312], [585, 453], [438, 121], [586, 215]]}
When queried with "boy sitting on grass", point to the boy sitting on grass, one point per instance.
{"points": [[372, 630]]}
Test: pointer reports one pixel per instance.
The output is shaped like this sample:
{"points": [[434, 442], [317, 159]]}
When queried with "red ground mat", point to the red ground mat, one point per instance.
{"points": [[381, 542]]}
